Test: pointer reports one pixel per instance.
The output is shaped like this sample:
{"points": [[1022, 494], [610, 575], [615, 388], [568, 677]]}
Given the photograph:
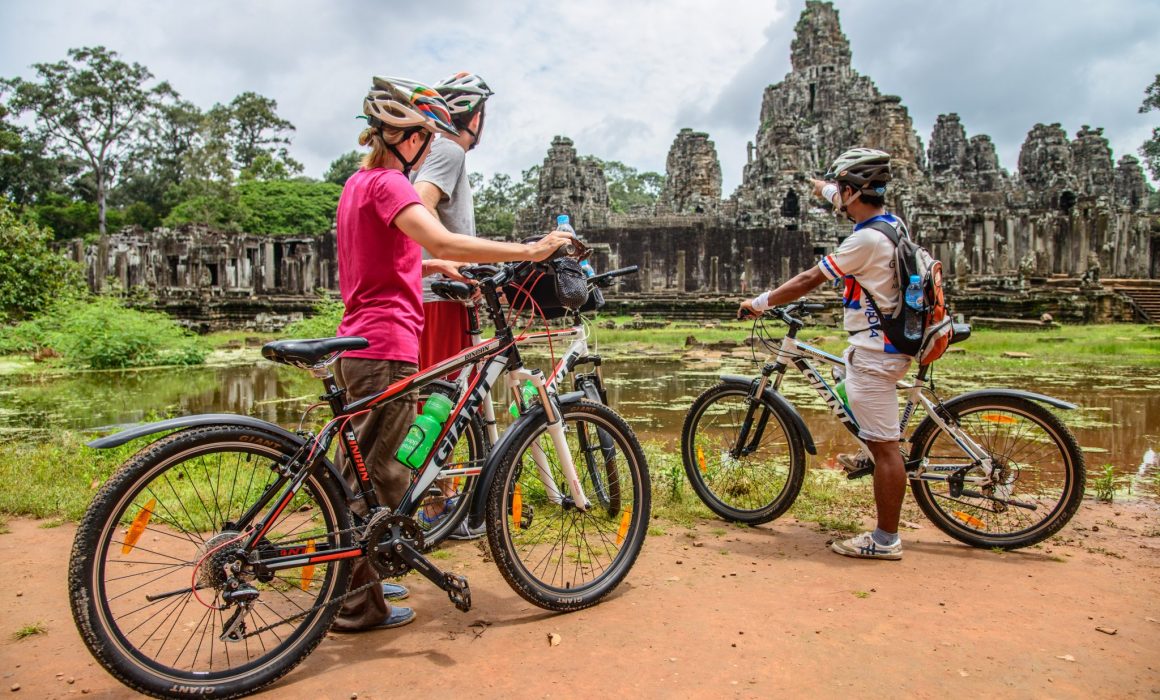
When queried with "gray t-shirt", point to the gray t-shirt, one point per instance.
{"points": [[446, 168]]}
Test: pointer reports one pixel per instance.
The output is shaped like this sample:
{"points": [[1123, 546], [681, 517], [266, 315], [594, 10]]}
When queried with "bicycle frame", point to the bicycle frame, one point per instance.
{"points": [[496, 356], [793, 352]]}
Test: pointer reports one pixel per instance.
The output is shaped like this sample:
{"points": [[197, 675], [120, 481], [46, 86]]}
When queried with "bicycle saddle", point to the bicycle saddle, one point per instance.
{"points": [[451, 289], [307, 353]]}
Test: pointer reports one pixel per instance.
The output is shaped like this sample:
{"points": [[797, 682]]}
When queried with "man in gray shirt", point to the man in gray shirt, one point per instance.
{"points": [[443, 186]]}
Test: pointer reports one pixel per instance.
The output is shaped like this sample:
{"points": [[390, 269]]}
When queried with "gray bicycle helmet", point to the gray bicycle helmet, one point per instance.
{"points": [[464, 93], [859, 167]]}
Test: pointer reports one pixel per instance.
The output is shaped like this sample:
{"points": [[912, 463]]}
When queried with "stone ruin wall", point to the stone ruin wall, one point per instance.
{"points": [[211, 279]]}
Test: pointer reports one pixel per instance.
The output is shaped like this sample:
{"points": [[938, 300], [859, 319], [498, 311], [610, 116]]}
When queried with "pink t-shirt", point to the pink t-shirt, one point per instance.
{"points": [[379, 267]]}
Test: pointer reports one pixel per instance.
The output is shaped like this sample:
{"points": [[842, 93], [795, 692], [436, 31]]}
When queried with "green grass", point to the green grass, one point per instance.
{"points": [[29, 631]]}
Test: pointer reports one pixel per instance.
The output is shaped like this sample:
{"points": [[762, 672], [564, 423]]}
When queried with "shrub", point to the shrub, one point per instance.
{"points": [[322, 324], [102, 334], [32, 276]]}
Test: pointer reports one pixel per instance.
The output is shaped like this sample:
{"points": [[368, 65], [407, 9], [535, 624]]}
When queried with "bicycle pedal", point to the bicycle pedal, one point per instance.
{"points": [[458, 591], [860, 472]]}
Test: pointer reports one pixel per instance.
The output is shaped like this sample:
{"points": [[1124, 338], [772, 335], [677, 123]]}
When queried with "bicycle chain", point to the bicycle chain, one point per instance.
{"points": [[304, 613]]}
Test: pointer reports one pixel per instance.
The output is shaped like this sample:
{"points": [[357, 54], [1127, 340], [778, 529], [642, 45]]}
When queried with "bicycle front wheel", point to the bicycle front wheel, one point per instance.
{"points": [[1038, 479], [750, 483], [554, 554], [147, 579]]}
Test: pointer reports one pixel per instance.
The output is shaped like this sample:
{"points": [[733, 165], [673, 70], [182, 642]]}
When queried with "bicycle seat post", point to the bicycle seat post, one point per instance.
{"points": [[335, 395]]}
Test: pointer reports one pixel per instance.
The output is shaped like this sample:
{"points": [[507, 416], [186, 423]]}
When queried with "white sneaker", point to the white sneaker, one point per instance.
{"points": [[864, 547]]}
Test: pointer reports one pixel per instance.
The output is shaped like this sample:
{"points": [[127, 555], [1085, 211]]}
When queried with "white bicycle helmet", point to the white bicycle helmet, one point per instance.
{"points": [[464, 92], [406, 104], [859, 167]]}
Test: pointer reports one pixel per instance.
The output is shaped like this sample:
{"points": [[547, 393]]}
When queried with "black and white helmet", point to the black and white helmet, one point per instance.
{"points": [[859, 167], [464, 93]]}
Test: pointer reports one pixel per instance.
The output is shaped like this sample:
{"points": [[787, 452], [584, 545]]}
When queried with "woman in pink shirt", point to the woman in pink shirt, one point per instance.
{"points": [[380, 270]]}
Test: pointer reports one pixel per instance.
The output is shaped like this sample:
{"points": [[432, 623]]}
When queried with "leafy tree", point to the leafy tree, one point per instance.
{"points": [[277, 207], [255, 130], [343, 167], [88, 107], [288, 206], [1151, 148], [32, 276], [159, 165], [498, 201], [629, 189]]}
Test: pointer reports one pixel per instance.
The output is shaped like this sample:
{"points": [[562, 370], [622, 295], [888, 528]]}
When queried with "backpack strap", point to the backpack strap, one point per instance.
{"points": [[887, 230]]}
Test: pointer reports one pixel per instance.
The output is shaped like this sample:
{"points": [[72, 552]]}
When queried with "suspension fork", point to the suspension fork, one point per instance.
{"points": [[556, 432], [745, 445]]}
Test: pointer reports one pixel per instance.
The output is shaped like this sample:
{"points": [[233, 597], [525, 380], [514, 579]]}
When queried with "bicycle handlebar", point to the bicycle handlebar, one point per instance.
{"points": [[605, 278]]}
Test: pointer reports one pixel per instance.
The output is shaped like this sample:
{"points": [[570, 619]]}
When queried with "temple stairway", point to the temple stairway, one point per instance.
{"points": [[1145, 298]]}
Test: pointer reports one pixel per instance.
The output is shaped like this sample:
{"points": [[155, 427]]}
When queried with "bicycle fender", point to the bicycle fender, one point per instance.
{"points": [[491, 466], [778, 400], [1017, 393], [204, 419]]}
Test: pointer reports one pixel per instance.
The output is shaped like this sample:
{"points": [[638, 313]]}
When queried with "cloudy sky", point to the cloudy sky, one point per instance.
{"points": [[621, 77]]}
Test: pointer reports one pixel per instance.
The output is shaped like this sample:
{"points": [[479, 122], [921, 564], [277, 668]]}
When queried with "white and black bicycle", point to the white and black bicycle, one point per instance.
{"points": [[991, 468], [445, 506]]}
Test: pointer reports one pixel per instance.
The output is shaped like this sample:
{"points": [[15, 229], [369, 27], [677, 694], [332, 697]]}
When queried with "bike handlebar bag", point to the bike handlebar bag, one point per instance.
{"points": [[556, 287]]}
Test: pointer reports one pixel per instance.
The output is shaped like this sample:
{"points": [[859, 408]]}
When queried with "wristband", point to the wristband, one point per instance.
{"points": [[829, 191], [760, 302]]}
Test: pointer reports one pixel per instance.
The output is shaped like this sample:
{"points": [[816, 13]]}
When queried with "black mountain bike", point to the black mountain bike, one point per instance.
{"points": [[214, 560], [991, 468]]}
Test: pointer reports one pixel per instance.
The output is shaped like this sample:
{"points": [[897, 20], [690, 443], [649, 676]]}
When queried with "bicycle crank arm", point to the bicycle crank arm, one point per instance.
{"points": [[456, 586]]}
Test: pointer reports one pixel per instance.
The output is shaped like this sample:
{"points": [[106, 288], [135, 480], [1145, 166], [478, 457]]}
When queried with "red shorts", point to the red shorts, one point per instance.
{"points": [[444, 332]]}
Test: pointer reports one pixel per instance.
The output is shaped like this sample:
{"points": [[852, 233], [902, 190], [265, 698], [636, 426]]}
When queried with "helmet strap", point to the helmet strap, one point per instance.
{"points": [[408, 164], [474, 133]]}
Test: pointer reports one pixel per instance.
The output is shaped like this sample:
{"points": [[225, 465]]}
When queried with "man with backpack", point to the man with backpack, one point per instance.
{"points": [[866, 262]]}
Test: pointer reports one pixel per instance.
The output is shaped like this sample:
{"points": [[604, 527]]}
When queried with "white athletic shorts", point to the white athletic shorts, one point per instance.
{"points": [[871, 391]]}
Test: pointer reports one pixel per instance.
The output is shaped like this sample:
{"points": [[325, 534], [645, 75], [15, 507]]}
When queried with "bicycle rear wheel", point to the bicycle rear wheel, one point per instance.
{"points": [[146, 576], [551, 552], [1040, 477], [757, 485]]}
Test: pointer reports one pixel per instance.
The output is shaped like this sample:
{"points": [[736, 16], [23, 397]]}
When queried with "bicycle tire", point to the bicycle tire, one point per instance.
{"points": [[540, 574], [752, 489], [971, 520], [473, 447], [171, 531], [605, 450]]}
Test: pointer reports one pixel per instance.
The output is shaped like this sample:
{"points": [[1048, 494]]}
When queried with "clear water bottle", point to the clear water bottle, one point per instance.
{"points": [[564, 223], [421, 436], [913, 328], [586, 266]]}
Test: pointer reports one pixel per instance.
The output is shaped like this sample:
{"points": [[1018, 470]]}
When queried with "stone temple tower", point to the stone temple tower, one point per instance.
{"points": [[693, 176]]}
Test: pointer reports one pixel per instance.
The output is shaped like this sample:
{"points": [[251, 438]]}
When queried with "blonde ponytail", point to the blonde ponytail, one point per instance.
{"points": [[378, 138]]}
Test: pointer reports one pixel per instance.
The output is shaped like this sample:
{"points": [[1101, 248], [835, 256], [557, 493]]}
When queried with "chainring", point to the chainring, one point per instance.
{"points": [[382, 540]]}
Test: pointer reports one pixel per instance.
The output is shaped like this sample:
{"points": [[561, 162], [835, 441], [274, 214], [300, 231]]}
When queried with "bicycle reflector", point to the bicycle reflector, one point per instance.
{"points": [[625, 519], [308, 570], [701, 459], [137, 527], [517, 508], [968, 519], [997, 418]]}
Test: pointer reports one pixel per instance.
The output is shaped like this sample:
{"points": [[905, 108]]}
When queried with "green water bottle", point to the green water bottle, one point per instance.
{"points": [[840, 390], [423, 432], [528, 391]]}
